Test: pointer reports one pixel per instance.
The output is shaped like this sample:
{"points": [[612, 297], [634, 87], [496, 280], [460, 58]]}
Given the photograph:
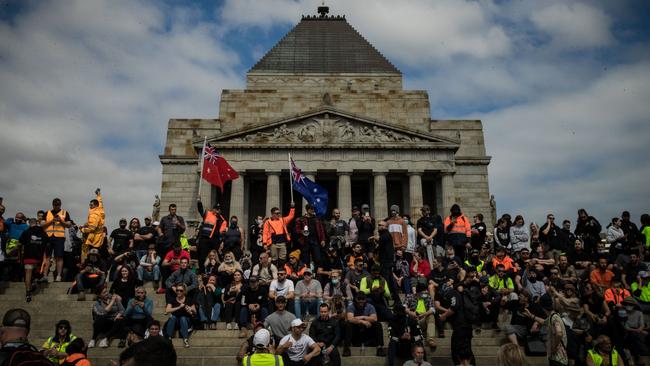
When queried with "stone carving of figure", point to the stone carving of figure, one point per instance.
{"points": [[493, 208], [346, 132], [307, 133], [156, 209]]}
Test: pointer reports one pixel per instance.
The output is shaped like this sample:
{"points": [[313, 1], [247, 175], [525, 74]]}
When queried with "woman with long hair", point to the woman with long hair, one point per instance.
{"points": [[181, 310], [229, 300], [55, 346], [208, 301], [125, 284], [227, 269]]}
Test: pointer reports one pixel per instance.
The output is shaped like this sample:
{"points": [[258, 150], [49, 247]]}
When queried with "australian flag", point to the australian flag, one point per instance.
{"points": [[314, 194]]}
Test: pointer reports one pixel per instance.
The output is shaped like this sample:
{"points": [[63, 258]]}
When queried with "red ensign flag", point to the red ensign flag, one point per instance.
{"points": [[216, 169]]}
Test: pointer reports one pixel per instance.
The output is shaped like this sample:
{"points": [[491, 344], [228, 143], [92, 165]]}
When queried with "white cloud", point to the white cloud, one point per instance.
{"points": [[574, 26], [88, 88]]}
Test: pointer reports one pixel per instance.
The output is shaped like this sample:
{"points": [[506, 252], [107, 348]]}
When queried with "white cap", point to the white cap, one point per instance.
{"points": [[296, 323], [262, 338]]}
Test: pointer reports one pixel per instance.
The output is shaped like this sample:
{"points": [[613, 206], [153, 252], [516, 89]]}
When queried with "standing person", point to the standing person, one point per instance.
{"points": [[263, 355], [55, 347], [366, 227], [119, 242], [16, 349], [312, 238], [141, 237], [170, 229], [255, 239], [588, 229], [386, 251], [502, 234], [630, 229], [93, 229], [338, 232], [299, 347], [326, 332], [34, 240], [549, 235], [15, 227], [275, 235], [56, 220], [479, 232], [212, 227], [461, 338], [233, 238], [397, 228], [426, 232], [458, 230]]}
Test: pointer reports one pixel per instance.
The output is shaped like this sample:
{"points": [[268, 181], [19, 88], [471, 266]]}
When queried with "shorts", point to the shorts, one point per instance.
{"points": [[56, 247], [30, 263]]}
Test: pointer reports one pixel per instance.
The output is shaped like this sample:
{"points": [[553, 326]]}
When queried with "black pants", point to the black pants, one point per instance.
{"points": [[383, 312], [461, 345], [231, 312], [387, 274], [375, 333], [108, 328]]}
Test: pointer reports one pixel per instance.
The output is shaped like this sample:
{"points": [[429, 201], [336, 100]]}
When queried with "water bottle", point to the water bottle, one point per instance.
{"points": [[363, 348], [326, 357]]}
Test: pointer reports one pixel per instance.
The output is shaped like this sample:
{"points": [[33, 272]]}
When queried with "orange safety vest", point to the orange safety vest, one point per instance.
{"points": [[462, 225], [211, 219], [56, 230], [290, 270]]}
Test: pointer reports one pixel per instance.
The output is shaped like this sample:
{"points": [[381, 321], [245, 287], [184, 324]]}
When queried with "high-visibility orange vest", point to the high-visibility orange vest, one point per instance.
{"points": [[462, 225], [211, 219], [56, 230], [300, 272]]}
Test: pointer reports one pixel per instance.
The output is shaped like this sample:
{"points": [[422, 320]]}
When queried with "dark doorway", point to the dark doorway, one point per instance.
{"points": [[257, 197], [395, 191], [331, 185], [429, 191], [361, 188], [222, 198]]}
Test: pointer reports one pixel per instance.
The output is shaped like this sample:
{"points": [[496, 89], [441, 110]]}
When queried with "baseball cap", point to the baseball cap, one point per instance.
{"points": [[644, 274], [394, 208], [307, 271], [17, 318], [253, 278], [262, 338], [297, 323], [94, 251], [365, 206], [281, 299]]}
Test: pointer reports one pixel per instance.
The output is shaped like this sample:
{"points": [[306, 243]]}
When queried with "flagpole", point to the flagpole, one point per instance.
{"points": [[290, 178], [201, 160]]}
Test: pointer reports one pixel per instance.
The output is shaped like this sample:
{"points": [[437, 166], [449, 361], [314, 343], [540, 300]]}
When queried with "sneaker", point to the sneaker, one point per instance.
{"points": [[91, 344], [28, 297], [122, 343], [81, 296], [346, 351], [228, 326], [235, 326], [103, 343], [243, 333], [160, 291], [57, 279], [186, 343], [381, 352]]}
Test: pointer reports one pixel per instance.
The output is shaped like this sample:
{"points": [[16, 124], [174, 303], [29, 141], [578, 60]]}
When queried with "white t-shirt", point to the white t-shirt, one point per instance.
{"points": [[299, 348], [281, 289]]}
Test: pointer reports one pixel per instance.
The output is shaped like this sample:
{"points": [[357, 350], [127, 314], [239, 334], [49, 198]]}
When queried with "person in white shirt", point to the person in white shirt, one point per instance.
{"points": [[283, 287], [300, 348]]}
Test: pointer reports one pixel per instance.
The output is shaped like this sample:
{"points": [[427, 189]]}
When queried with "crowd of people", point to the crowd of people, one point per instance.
{"points": [[308, 285]]}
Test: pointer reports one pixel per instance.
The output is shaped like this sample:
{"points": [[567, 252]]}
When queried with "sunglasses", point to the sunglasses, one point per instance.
{"points": [[180, 290]]}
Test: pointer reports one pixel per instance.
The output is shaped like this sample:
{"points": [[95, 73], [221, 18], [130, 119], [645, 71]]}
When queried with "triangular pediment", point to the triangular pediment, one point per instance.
{"points": [[329, 127]]}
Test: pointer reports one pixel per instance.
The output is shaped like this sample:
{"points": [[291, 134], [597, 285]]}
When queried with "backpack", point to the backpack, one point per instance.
{"points": [[24, 355]]}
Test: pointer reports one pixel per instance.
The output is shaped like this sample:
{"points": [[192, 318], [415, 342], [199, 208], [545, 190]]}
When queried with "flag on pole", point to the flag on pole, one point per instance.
{"points": [[216, 169], [316, 195]]}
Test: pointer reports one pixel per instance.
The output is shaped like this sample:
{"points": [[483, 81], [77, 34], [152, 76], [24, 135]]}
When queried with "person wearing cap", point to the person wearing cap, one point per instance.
{"points": [[149, 266], [397, 228], [254, 302], [641, 290], [263, 352], [309, 294], [34, 241], [92, 274], [353, 228], [212, 228], [420, 306], [76, 353], [275, 234], [55, 347], [312, 237], [326, 331], [362, 323], [279, 321], [300, 348], [55, 222]]}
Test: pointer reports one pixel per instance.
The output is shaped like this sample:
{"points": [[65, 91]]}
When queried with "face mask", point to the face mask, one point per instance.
{"points": [[335, 281], [258, 221], [122, 226], [406, 221], [229, 261], [622, 313], [532, 280], [233, 223]]}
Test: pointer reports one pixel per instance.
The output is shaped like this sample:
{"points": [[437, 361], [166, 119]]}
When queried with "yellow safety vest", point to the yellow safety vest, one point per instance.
{"points": [[60, 347], [598, 359], [56, 230]]}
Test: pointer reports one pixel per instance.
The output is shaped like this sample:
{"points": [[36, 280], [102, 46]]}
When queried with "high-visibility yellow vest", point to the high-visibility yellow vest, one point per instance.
{"points": [[598, 359], [56, 230]]}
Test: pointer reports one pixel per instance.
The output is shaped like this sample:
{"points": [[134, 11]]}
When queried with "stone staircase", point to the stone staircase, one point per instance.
{"points": [[208, 347]]}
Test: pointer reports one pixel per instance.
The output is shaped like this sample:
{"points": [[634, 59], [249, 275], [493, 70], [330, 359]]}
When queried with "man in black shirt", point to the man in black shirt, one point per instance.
{"points": [[630, 229], [34, 241], [461, 339], [16, 350], [567, 237], [580, 259], [255, 239], [549, 235], [326, 331], [254, 302], [427, 231], [386, 251], [479, 232], [120, 240]]}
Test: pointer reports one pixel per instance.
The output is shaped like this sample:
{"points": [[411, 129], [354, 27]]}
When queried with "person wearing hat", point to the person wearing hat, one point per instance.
{"points": [[640, 289], [376, 288], [309, 294], [214, 225], [13, 338], [247, 347], [300, 348], [362, 324], [295, 268], [263, 354], [76, 353], [55, 347], [279, 321], [254, 304], [312, 237], [92, 274], [397, 228]]}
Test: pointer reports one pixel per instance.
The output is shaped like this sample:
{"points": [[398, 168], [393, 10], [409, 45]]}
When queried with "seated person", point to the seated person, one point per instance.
{"points": [[211, 264], [336, 287], [125, 284], [567, 271], [615, 295], [55, 347], [108, 319], [490, 303], [282, 287], [524, 313], [421, 308], [254, 300], [229, 296], [641, 291], [502, 284], [227, 269], [330, 263], [294, 267], [357, 254], [635, 329], [602, 276], [309, 295], [265, 271], [300, 348], [139, 310], [453, 264], [181, 310], [362, 322], [183, 275], [376, 289], [403, 333], [402, 272], [279, 321], [208, 301], [172, 262], [326, 332], [418, 357], [354, 275], [92, 274], [149, 267]]}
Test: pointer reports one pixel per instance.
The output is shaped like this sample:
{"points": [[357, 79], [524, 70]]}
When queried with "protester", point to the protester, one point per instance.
{"points": [[208, 301], [325, 331], [254, 305], [212, 227], [308, 296], [76, 353], [229, 297], [124, 285], [275, 234], [55, 347], [93, 229], [362, 324], [279, 322], [263, 354], [233, 238], [156, 351], [300, 348], [181, 310], [34, 242], [108, 315], [92, 276], [139, 310], [170, 229], [149, 266]]}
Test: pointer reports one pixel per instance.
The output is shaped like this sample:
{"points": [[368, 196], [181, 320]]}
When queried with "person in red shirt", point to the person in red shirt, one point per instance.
{"points": [[602, 276], [172, 263]]}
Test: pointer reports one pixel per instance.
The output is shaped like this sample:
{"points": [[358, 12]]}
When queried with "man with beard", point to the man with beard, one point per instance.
{"points": [[427, 230], [326, 332], [312, 236], [386, 251], [213, 225], [566, 237], [549, 235], [376, 288], [170, 229], [362, 321], [580, 259], [630, 229], [632, 269], [588, 229], [255, 239]]}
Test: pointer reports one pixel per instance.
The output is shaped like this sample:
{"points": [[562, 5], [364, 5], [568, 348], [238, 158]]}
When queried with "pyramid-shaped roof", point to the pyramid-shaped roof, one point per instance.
{"points": [[324, 44]]}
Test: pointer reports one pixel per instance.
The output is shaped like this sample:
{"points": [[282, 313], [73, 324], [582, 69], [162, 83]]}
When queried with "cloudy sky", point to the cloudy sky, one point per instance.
{"points": [[562, 87]]}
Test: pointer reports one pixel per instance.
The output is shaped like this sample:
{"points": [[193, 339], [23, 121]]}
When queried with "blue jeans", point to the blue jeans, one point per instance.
{"points": [[144, 275], [216, 312], [304, 307], [183, 323], [245, 314]]}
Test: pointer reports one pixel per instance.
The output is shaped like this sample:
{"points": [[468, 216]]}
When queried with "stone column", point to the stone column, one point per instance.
{"points": [[380, 206], [415, 194], [272, 191], [312, 177], [237, 202], [448, 192], [345, 194]]}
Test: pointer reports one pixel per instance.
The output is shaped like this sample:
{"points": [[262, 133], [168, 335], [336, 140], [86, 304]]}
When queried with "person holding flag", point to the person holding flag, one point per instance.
{"points": [[214, 168]]}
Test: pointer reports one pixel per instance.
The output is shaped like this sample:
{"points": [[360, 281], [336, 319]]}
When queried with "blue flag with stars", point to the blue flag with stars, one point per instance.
{"points": [[316, 195]]}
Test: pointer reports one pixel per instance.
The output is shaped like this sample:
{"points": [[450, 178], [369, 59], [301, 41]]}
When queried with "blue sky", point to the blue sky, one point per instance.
{"points": [[562, 88]]}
